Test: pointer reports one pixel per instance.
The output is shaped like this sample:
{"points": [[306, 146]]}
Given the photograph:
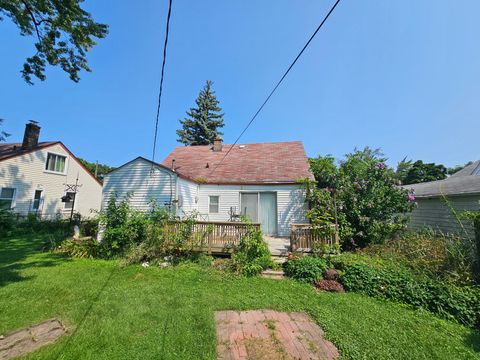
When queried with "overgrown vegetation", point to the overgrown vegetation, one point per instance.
{"points": [[444, 257], [150, 313], [395, 283], [424, 270]]}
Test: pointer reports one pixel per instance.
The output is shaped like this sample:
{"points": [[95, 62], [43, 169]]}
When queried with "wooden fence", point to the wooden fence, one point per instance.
{"points": [[304, 236], [211, 236]]}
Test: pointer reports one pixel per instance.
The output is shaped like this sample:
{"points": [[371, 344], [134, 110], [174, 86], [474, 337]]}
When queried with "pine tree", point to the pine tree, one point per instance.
{"points": [[202, 125]]}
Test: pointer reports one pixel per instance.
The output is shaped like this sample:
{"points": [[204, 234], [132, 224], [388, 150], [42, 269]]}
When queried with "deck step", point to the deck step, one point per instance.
{"points": [[273, 274]]}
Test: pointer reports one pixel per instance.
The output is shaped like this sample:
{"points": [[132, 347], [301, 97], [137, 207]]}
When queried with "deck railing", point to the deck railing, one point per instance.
{"points": [[304, 237], [211, 236]]}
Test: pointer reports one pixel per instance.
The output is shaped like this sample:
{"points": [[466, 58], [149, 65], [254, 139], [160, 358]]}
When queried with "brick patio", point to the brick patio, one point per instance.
{"points": [[269, 335]]}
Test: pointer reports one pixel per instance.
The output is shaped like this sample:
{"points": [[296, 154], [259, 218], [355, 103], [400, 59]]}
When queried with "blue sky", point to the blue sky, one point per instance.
{"points": [[403, 76]]}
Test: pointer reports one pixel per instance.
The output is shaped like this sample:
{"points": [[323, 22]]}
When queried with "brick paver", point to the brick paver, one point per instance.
{"points": [[269, 335]]}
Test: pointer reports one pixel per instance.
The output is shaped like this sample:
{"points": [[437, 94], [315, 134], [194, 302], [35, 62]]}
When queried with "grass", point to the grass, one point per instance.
{"points": [[153, 313]]}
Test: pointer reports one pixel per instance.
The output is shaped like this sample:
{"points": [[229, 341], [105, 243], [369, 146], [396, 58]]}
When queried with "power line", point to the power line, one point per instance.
{"points": [[161, 80], [278, 84]]}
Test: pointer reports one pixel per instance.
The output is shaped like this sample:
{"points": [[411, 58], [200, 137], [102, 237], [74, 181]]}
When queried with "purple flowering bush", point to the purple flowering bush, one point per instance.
{"points": [[361, 192]]}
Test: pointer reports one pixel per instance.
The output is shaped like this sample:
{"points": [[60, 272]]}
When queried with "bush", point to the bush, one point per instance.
{"points": [[80, 248], [361, 194], [7, 222], [447, 301], [307, 269], [329, 285], [252, 255]]}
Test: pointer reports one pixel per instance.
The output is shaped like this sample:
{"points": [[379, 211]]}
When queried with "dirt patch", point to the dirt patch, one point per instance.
{"points": [[30, 339], [270, 335]]}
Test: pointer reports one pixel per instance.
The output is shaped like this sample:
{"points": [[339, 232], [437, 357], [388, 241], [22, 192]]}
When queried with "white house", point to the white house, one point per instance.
{"points": [[256, 180], [35, 176], [461, 191]]}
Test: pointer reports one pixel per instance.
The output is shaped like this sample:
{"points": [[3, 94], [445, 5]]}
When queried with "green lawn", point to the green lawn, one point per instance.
{"points": [[153, 313]]}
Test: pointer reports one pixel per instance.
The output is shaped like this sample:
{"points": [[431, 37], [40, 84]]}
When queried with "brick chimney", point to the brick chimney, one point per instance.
{"points": [[217, 144], [32, 132]]}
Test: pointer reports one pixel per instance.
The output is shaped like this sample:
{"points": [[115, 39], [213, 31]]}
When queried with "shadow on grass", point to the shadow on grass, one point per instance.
{"points": [[473, 340], [15, 252]]}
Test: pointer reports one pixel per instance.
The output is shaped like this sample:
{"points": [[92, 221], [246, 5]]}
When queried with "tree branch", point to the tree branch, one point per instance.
{"points": [[33, 19]]}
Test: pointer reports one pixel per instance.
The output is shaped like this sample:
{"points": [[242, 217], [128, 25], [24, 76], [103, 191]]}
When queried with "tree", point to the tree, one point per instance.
{"points": [[3, 134], [457, 168], [202, 124], [420, 172], [102, 169], [362, 194], [64, 33]]}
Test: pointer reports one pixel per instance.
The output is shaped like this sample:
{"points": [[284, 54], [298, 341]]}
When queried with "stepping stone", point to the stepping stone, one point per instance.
{"points": [[30, 339], [270, 335]]}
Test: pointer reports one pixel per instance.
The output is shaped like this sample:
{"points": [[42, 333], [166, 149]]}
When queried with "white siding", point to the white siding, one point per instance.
{"points": [[290, 202], [144, 186], [26, 173], [187, 196], [433, 212]]}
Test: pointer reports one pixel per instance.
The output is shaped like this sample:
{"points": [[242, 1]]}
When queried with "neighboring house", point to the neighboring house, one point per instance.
{"points": [[256, 180], [34, 177], [462, 190]]}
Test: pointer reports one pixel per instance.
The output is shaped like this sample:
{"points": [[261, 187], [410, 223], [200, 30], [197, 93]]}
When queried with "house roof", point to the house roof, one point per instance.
{"points": [[463, 182], [11, 150], [261, 163]]}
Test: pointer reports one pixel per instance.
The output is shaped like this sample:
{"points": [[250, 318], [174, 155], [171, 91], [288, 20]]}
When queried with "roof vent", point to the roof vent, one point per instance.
{"points": [[217, 144]]}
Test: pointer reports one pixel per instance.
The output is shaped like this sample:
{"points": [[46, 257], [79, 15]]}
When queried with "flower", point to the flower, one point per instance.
{"points": [[410, 197], [381, 166]]}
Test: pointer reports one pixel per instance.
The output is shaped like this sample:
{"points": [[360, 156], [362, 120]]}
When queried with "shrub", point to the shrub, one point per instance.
{"points": [[7, 222], [80, 248], [252, 255], [329, 285], [307, 269], [447, 301], [361, 193]]}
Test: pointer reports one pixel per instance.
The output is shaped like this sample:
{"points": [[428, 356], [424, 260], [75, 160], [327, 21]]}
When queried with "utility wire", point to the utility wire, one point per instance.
{"points": [[278, 84], [161, 81]]}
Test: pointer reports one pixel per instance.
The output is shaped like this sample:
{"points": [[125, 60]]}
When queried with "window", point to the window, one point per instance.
{"points": [[55, 163], [37, 199], [69, 204], [213, 204], [7, 196]]}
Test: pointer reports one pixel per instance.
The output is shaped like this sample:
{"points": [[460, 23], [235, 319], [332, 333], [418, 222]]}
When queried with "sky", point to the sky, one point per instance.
{"points": [[400, 75]]}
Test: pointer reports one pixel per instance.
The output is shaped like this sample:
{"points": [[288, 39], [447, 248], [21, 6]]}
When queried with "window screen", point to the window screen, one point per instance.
{"points": [[55, 163], [6, 198], [213, 205], [37, 198]]}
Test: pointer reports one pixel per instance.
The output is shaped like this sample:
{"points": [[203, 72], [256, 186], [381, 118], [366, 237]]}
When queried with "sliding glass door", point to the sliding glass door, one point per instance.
{"points": [[261, 207]]}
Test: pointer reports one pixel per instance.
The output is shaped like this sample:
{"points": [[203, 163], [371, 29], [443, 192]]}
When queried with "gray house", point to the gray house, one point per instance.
{"points": [[462, 190]]}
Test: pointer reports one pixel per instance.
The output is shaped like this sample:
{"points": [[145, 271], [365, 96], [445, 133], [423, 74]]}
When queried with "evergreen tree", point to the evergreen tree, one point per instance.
{"points": [[202, 125]]}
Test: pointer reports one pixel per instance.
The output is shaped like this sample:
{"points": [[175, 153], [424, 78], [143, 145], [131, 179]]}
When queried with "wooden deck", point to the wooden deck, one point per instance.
{"points": [[303, 237], [213, 237]]}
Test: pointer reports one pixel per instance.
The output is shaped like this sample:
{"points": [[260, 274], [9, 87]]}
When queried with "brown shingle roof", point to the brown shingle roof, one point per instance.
{"points": [[10, 150], [262, 163]]}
